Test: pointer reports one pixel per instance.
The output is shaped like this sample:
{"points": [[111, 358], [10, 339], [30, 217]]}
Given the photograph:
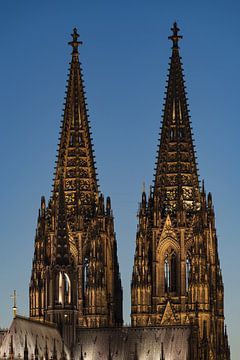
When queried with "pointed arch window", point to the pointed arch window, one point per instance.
{"points": [[173, 273], [67, 289], [60, 288], [188, 269], [79, 139], [86, 272], [71, 140], [63, 288], [172, 133], [166, 273], [170, 271]]}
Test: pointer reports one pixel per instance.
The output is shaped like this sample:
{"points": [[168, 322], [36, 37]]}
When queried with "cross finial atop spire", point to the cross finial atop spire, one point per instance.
{"points": [[75, 43], [175, 37]]}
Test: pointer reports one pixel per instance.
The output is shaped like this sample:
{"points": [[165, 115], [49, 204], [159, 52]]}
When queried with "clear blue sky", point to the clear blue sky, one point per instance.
{"points": [[125, 60]]}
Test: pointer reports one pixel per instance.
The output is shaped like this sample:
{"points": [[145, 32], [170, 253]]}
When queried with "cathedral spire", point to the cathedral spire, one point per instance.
{"points": [[176, 178], [75, 277], [75, 160]]}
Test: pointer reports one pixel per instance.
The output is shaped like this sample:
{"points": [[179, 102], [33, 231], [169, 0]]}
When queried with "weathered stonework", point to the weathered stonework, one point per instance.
{"points": [[176, 275], [75, 289]]}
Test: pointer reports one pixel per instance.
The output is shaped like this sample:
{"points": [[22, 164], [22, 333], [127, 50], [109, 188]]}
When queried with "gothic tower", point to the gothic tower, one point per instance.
{"points": [[176, 275], [75, 275]]}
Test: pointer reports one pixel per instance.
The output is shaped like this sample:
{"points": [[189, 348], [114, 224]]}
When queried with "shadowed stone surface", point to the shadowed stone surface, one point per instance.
{"points": [[122, 343]]}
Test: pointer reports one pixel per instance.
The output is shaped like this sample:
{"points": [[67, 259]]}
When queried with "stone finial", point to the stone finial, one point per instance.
{"points": [[175, 37]]}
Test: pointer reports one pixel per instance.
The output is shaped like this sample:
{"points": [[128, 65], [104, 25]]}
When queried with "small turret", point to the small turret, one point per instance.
{"points": [[144, 199], [43, 205], [101, 210], [108, 207], [209, 200], [211, 210], [203, 196]]}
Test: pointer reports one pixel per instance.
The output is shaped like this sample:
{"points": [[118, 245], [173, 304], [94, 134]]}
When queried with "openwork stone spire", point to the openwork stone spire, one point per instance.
{"points": [[176, 274], [75, 161], [75, 273], [176, 178]]}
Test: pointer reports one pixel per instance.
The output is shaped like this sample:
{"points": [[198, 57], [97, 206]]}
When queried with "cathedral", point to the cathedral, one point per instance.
{"points": [[75, 291]]}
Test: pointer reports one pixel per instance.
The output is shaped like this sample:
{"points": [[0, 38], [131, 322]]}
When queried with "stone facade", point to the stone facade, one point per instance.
{"points": [[75, 289], [29, 339], [75, 275], [176, 275]]}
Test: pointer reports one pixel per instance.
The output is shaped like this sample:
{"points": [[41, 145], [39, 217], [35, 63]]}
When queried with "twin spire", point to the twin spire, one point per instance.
{"points": [[176, 178], [176, 184], [75, 160], [176, 266]]}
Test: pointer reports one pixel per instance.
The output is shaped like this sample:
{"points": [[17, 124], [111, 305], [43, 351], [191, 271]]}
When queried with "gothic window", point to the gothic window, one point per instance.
{"points": [[63, 288], [85, 275], [166, 273], [71, 140], [181, 133], [171, 133], [60, 288], [188, 268], [173, 273], [67, 289], [170, 271]]}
